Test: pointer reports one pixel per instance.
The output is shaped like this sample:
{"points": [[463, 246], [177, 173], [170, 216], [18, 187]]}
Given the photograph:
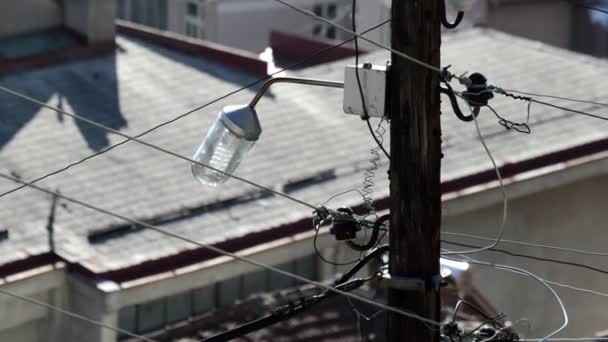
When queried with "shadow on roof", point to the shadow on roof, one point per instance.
{"points": [[88, 88], [208, 67]]}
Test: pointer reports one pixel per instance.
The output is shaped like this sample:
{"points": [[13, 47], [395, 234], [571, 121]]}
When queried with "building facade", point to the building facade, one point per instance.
{"points": [[225, 21]]}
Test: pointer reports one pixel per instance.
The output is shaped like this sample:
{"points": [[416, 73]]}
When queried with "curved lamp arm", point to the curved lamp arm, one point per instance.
{"points": [[307, 81]]}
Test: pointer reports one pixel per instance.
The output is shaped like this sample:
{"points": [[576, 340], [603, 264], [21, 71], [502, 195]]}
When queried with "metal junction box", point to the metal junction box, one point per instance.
{"points": [[373, 83]]}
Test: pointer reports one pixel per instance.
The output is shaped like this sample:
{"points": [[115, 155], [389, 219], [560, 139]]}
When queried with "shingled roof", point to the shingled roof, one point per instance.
{"points": [[305, 135]]}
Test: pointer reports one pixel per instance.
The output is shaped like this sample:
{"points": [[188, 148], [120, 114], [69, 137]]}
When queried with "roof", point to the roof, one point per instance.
{"points": [[305, 134]]}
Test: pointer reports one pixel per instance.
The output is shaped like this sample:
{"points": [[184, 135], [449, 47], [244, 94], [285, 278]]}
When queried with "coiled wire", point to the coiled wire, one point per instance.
{"points": [[369, 175]]}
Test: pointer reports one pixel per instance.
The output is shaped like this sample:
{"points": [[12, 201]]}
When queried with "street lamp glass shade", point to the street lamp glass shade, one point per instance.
{"points": [[227, 142], [462, 5]]}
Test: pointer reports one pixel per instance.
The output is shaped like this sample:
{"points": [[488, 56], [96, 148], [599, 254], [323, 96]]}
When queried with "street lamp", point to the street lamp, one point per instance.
{"points": [[234, 133]]}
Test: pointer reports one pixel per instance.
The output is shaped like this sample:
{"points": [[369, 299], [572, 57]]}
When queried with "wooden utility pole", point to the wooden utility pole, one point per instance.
{"points": [[415, 168]]}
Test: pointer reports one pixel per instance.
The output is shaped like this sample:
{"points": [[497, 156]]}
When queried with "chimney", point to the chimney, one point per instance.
{"points": [[93, 19]]}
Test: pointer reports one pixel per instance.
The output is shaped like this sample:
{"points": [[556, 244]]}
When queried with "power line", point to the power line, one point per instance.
{"points": [[442, 72], [532, 275], [73, 315], [503, 251], [300, 62], [570, 110], [530, 244], [531, 99], [566, 286], [578, 289], [593, 8], [222, 252], [505, 198], [557, 97], [566, 339], [361, 95]]}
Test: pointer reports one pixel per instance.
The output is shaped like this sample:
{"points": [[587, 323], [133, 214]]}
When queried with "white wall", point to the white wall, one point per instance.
{"points": [[546, 21], [246, 24], [371, 13], [573, 216], [94, 19], [21, 321], [24, 16]]}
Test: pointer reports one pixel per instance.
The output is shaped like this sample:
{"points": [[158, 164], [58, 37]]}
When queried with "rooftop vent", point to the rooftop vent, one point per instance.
{"points": [[318, 178]]}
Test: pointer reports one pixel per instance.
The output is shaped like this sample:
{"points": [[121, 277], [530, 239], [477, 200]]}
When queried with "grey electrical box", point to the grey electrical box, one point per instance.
{"points": [[373, 85]]}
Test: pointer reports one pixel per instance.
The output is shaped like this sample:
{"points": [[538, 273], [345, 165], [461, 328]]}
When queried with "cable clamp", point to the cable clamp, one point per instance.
{"points": [[411, 283]]}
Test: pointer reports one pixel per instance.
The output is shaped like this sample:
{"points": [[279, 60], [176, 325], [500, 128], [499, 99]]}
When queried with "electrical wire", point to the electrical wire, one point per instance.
{"points": [[223, 252], [370, 172], [471, 305], [519, 255], [317, 226], [441, 72], [521, 127], [530, 99], [73, 315], [593, 8], [570, 110], [556, 97], [530, 244], [505, 198], [566, 286], [522, 271], [109, 148], [379, 140], [566, 339], [492, 321]]}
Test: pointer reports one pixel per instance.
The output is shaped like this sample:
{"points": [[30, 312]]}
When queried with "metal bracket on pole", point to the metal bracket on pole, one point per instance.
{"points": [[414, 283]]}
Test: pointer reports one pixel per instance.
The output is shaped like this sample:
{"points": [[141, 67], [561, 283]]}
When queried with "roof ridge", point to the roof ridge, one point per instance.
{"points": [[236, 58]]}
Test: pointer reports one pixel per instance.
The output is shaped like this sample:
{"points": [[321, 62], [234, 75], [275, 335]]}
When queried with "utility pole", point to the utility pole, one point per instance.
{"points": [[415, 170]]}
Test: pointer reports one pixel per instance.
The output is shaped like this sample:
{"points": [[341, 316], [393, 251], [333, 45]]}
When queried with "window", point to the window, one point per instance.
{"points": [[192, 9], [156, 314], [126, 319], [327, 11], [150, 316], [307, 267], [317, 29], [332, 11], [229, 291], [179, 307], [122, 9], [195, 19], [330, 32], [151, 13], [203, 299], [279, 281], [318, 10], [255, 282]]}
